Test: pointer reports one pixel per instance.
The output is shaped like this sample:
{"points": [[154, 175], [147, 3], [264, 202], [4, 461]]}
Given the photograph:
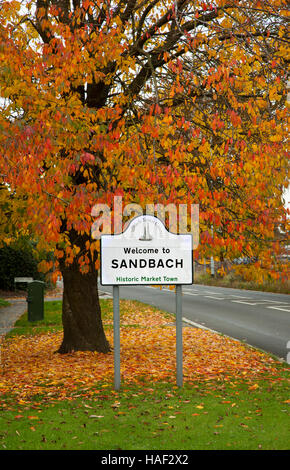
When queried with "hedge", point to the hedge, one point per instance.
{"points": [[17, 262]]}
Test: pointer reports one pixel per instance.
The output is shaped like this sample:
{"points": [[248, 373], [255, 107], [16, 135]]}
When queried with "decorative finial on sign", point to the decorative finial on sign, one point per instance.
{"points": [[146, 235]]}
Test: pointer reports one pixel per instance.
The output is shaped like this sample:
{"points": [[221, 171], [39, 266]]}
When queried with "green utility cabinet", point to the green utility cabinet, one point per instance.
{"points": [[35, 300]]}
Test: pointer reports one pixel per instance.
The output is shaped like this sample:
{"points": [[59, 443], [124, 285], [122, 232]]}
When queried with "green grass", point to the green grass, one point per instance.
{"points": [[53, 312], [208, 417], [215, 415], [4, 303], [51, 322]]}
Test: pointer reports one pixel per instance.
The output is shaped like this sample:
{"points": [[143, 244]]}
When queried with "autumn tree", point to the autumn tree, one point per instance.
{"points": [[157, 101]]}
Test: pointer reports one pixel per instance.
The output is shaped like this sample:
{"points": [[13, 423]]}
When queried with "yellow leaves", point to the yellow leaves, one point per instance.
{"points": [[254, 387], [46, 84], [55, 275], [276, 138], [45, 266], [165, 56], [148, 349], [87, 4], [204, 148], [273, 94], [261, 103], [76, 249], [226, 23]]}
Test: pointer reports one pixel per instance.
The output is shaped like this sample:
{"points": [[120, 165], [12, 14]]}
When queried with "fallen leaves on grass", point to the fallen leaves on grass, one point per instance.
{"points": [[148, 354]]}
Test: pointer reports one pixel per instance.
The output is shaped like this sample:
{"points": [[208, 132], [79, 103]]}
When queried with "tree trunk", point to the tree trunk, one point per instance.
{"points": [[81, 313]]}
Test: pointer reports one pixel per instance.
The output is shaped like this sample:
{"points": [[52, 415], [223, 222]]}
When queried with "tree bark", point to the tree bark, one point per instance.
{"points": [[81, 313]]}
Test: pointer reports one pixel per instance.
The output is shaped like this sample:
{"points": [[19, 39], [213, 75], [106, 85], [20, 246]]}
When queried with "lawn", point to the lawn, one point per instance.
{"points": [[4, 303], [156, 416], [234, 397]]}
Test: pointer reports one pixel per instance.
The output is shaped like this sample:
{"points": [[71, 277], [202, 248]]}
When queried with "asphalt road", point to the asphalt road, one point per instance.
{"points": [[260, 319]]}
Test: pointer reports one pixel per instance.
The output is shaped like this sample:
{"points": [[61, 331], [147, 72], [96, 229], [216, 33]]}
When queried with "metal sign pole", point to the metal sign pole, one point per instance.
{"points": [[178, 299], [116, 311], [127, 260]]}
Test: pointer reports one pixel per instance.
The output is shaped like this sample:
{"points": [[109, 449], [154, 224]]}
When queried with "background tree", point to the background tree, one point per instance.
{"points": [[157, 101]]}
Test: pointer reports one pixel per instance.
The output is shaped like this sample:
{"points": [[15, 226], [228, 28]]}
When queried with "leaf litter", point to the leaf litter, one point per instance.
{"points": [[30, 366]]}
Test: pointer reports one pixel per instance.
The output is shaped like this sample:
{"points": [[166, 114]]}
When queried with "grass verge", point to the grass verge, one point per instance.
{"points": [[156, 417], [73, 408], [233, 282], [4, 303]]}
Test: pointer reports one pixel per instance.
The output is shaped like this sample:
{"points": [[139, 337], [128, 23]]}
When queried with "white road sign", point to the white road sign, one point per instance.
{"points": [[23, 279], [146, 253]]}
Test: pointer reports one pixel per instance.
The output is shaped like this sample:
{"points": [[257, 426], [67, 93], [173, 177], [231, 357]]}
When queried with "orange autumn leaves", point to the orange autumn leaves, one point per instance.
{"points": [[30, 366], [209, 128]]}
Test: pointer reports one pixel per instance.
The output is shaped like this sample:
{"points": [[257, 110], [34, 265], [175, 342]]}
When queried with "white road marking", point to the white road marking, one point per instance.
{"points": [[240, 296], [280, 308], [104, 294], [210, 292], [262, 302], [198, 325], [247, 303], [240, 299], [215, 298]]}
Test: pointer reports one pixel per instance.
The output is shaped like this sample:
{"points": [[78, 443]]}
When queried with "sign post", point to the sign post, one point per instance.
{"points": [[179, 373], [146, 253], [116, 312]]}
